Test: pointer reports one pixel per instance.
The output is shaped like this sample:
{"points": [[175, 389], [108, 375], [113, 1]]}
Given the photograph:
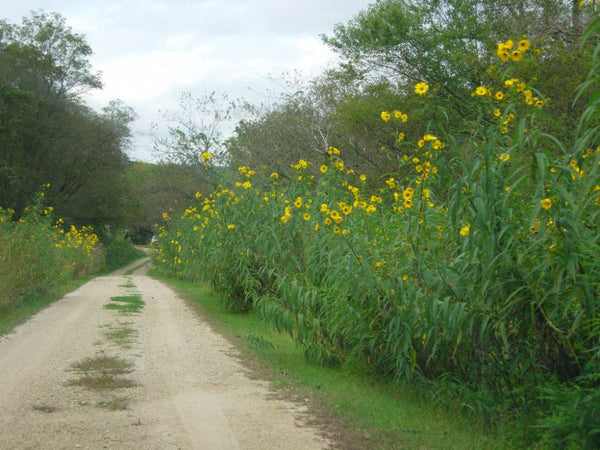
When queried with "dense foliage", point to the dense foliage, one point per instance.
{"points": [[428, 211], [47, 135], [50, 140], [38, 253], [465, 262]]}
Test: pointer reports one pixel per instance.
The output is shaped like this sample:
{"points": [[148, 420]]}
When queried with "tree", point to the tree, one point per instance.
{"points": [[47, 134], [337, 109], [46, 57], [90, 185], [450, 44], [194, 129], [157, 188]]}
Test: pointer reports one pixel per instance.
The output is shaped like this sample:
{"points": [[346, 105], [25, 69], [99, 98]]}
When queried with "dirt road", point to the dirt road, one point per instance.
{"points": [[80, 375]]}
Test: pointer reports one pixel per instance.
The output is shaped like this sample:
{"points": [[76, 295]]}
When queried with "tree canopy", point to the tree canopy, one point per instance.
{"points": [[450, 44], [48, 135]]}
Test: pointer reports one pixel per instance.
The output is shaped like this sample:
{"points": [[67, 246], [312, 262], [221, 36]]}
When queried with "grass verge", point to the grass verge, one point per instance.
{"points": [[355, 409], [20, 312], [30, 305]]}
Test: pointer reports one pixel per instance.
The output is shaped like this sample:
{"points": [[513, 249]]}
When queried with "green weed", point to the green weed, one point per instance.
{"points": [[104, 364], [102, 373], [122, 335], [126, 304], [45, 408], [102, 382], [259, 342]]}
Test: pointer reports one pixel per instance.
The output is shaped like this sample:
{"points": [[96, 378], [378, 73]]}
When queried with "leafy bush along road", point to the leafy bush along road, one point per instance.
{"points": [[154, 376], [469, 270]]}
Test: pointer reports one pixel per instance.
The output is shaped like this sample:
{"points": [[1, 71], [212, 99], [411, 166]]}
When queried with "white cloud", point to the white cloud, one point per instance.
{"points": [[149, 51], [144, 77]]}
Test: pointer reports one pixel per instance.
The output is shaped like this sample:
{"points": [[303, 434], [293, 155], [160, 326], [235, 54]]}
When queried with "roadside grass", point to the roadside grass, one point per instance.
{"points": [[126, 303], [357, 410], [20, 312], [101, 373]]}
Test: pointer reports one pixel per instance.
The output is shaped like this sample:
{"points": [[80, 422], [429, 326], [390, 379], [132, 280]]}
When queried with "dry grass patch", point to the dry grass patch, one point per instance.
{"points": [[45, 408], [102, 382], [104, 364], [101, 373], [115, 404]]}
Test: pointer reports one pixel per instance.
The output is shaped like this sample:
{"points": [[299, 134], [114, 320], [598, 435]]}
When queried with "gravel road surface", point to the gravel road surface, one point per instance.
{"points": [[187, 389]]}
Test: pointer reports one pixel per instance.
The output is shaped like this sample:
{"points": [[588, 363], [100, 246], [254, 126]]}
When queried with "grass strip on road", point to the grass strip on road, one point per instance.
{"points": [[126, 304]]}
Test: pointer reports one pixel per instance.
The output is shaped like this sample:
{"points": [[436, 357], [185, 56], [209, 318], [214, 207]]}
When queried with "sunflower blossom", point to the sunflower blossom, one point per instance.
{"points": [[421, 88], [546, 203]]}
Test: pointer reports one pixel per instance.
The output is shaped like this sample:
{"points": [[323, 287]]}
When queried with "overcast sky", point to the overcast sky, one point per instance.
{"points": [[150, 51]]}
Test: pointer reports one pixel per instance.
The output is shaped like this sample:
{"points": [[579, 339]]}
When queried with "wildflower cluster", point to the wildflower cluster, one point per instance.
{"points": [[83, 239], [431, 270], [6, 215], [505, 101], [507, 50], [515, 88], [38, 254], [422, 160], [396, 114], [205, 159]]}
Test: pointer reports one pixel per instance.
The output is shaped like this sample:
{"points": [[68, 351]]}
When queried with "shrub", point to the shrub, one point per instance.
{"points": [[118, 252], [37, 254]]}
